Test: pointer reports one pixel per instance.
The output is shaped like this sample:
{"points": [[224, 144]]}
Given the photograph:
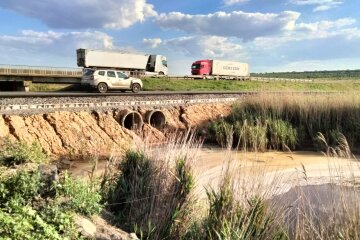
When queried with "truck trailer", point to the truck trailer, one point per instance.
{"points": [[220, 69], [142, 63]]}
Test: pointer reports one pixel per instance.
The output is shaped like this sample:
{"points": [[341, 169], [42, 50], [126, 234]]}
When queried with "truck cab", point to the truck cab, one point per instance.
{"points": [[157, 64], [201, 67], [105, 79]]}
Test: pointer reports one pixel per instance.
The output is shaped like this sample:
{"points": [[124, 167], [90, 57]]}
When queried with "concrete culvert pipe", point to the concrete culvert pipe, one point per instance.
{"points": [[131, 120], [156, 119]]}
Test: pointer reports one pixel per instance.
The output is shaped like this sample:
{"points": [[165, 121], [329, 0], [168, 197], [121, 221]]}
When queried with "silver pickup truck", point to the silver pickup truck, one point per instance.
{"points": [[105, 79]]}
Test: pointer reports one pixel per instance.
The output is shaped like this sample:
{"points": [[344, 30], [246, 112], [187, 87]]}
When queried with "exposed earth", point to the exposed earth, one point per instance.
{"points": [[98, 133]]}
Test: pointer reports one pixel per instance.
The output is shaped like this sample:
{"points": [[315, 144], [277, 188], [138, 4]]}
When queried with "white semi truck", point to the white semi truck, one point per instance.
{"points": [[141, 63]]}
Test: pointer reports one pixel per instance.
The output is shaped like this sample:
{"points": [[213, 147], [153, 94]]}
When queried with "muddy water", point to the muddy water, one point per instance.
{"points": [[271, 173]]}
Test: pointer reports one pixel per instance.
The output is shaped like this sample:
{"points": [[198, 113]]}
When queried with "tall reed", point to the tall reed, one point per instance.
{"points": [[152, 190], [294, 120]]}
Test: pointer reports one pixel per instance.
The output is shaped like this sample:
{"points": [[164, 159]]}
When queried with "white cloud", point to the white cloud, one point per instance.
{"points": [[152, 42], [312, 31], [310, 43], [242, 25], [57, 41], [320, 5], [50, 48], [205, 46], [233, 2], [80, 14]]}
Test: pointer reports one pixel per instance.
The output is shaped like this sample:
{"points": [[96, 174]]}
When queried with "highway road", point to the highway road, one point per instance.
{"points": [[143, 93]]}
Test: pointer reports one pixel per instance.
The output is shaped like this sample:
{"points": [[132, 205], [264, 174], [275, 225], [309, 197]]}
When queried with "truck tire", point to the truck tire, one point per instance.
{"points": [[135, 88], [161, 73], [102, 87]]}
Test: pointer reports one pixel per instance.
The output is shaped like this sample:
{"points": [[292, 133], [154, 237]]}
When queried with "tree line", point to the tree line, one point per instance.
{"points": [[339, 74]]}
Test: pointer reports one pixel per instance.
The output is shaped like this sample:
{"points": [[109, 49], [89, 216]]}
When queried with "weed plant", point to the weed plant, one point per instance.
{"points": [[33, 208], [20, 152]]}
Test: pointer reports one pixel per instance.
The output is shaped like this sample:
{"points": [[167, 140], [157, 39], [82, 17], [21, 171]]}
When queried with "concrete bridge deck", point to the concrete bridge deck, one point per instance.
{"points": [[19, 77]]}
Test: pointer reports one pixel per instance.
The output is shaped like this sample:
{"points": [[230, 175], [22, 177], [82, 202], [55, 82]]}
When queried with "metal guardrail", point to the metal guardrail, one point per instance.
{"points": [[39, 71], [259, 79], [267, 79]]}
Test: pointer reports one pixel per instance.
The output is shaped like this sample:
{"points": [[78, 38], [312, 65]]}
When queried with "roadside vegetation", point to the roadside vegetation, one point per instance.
{"points": [[163, 84], [281, 122], [48, 87], [36, 202], [152, 192]]}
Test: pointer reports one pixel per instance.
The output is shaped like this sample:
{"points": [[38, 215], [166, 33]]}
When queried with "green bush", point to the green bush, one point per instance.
{"points": [[149, 198], [61, 220], [80, 196], [20, 152], [33, 208], [134, 183], [22, 187], [25, 223]]}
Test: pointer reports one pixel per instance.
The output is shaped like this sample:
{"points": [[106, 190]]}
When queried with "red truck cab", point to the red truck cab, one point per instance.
{"points": [[201, 67]]}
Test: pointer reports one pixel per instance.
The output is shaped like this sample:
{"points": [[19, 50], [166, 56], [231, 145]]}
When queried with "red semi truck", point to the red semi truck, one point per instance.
{"points": [[220, 69]]}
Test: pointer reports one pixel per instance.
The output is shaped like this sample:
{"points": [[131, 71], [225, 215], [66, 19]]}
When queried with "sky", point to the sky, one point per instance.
{"points": [[270, 35]]}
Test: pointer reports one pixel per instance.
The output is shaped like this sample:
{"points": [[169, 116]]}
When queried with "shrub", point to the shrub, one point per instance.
{"points": [[33, 208], [20, 152], [22, 187], [80, 196], [149, 198], [25, 223]]}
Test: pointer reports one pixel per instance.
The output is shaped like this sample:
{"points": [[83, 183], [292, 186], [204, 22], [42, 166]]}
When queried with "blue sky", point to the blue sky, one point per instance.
{"points": [[271, 35]]}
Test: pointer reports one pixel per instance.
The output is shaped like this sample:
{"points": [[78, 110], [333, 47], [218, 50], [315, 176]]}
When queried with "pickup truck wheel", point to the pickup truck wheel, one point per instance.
{"points": [[102, 87], [135, 88]]}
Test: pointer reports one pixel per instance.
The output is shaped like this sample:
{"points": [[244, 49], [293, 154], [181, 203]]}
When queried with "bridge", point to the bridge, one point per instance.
{"points": [[19, 77]]}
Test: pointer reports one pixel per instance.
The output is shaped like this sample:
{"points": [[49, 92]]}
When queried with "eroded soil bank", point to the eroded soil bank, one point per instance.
{"points": [[101, 133]]}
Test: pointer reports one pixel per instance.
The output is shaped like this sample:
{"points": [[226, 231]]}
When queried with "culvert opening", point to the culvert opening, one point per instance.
{"points": [[132, 121], [156, 119]]}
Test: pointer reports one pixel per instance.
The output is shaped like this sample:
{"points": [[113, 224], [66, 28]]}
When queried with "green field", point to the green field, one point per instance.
{"points": [[158, 84]]}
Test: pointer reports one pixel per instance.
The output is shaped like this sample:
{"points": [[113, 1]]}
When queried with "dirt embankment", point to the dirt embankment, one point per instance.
{"points": [[63, 133]]}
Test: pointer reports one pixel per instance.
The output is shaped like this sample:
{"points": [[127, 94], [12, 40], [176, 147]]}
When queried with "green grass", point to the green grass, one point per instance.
{"points": [[162, 84], [47, 87]]}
